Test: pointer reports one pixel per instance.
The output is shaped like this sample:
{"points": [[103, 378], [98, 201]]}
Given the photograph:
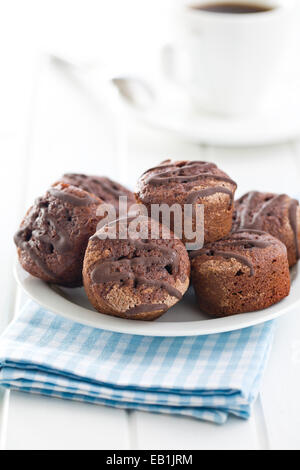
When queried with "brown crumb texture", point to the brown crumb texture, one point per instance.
{"points": [[106, 189], [54, 234], [191, 182], [243, 273], [135, 279], [277, 214]]}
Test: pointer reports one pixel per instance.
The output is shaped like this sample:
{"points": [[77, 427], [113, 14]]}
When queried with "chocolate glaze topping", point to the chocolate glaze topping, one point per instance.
{"points": [[229, 255], [60, 242], [72, 198], [107, 271], [293, 221], [25, 245], [246, 242], [109, 186], [183, 173], [189, 172], [255, 222], [208, 192]]}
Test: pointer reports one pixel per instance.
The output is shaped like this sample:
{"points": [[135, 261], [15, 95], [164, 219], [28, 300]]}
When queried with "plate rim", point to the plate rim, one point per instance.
{"points": [[152, 119], [138, 327], [220, 140]]}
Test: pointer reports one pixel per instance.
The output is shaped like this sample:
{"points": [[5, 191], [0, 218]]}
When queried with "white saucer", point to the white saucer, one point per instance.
{"points": [[172, 111], [182, 320]]}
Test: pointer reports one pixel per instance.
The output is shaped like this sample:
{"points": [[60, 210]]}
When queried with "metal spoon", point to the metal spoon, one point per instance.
{"points": [[135, 92]]}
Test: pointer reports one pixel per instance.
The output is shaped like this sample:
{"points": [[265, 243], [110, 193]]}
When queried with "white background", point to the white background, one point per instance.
{"points": [[48, 125]]}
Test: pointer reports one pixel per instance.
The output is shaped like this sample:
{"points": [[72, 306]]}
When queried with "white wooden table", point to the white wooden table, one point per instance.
{"points": [[67, 132]]}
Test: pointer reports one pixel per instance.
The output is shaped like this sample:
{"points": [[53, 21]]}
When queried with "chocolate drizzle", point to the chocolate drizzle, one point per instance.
{"points": [[111, 188], [245, 242], [208, 192], [105, 185], [293, 209], [25, 245], [256, 221], [189, 172], [41, 226], [109, 270], [229, 255], [72, 199], [61, 242], [181, 173], [251, 218]]}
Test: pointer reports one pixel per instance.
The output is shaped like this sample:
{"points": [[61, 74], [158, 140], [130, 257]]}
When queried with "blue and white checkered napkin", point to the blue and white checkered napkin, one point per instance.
{"points": [[207, 377]]}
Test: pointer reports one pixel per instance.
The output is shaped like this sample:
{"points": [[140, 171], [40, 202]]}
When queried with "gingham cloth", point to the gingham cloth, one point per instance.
{"points": [[206, 377]]}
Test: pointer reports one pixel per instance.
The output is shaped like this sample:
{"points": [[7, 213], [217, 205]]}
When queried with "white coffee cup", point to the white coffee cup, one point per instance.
{"points": [[227, 62]]}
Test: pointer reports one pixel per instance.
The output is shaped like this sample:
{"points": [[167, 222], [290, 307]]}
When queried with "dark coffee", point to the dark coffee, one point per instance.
{"points": [[230, 7]]}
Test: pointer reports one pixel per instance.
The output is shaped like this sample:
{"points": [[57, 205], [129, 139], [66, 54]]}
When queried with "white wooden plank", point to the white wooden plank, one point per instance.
{"points": [[270, 168], [280, 392], [66, 137], [276, 169], [59, 143], [172, 432], [38, 422], [281, 385], [296, 154], [148, 147], [4, 404], [73, 131], [11, 201], [14, 122]]}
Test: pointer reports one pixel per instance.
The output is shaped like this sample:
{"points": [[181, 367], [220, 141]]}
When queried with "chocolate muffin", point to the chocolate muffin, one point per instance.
{"points": [[54, 234], [276, 214], [245, 272], [135, 277], [107, 190], [191, 182]]}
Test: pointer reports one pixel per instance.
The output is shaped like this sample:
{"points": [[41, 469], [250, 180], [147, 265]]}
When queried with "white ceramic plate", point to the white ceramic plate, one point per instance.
{"points": [[182, 320], [172, 111], [213, 130]]}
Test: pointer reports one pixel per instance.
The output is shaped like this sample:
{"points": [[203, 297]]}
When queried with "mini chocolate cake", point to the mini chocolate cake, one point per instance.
{"points": [[135, 278], [191, 182], [245, 272], [54, 234], [107, 190], [276, 214]]}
